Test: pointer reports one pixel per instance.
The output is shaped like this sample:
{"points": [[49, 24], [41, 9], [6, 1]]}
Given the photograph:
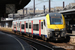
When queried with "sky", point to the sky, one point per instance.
{"points": [[54, 3]]}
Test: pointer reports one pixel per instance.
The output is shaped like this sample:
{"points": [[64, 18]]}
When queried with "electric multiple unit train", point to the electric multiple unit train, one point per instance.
{"points": [[50, 26]]}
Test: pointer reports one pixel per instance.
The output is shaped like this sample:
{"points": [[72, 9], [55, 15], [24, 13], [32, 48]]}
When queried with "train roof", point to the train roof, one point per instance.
{"points": [[54, 13], [41, 16]]}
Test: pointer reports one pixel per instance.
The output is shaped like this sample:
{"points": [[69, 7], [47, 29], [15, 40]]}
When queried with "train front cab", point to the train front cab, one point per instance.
{"points": [[56, 26]]}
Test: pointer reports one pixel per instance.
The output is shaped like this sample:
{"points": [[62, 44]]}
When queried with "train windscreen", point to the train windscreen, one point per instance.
{"points": [[56, 19]]}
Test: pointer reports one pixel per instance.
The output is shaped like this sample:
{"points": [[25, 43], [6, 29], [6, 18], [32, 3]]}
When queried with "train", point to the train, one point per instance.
{"points": [[48, 26]]}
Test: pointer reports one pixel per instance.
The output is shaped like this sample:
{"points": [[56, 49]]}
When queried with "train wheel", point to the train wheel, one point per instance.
{"points": [[28, 35], [14, 32], [17, 33], [44, 38], [32, 35]]}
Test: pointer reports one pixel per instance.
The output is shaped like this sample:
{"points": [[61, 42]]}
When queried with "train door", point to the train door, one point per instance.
{"points": [[30, 26], [44, 27], [18, 25], [14, 26], [27, 26], [24, 26], [35, 29], [41, 28]]}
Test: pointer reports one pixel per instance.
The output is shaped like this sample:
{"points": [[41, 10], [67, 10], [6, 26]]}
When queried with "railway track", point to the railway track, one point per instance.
{"points": [[35, 45], [57, 45], [53, 45], [39, 45], [45, 45]]}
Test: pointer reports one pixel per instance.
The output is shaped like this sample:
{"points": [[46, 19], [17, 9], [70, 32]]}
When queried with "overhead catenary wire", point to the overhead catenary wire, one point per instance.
{"points": [[45, 1], [36, 4]]}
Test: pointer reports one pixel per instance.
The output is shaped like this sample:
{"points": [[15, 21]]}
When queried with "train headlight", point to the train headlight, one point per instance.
{"points": [[62, 29]]}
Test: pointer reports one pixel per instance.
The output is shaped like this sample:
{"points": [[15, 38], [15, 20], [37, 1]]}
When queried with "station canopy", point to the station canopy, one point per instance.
{"points": [[68, 14], [11, 6], [18, 3]]}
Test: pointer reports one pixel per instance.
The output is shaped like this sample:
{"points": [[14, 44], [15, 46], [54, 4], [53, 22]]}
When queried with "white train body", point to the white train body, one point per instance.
{"points": [[31, 26], [51, 25]]}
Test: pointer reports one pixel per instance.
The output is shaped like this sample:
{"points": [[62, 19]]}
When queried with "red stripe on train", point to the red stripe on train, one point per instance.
{"points": [[20, 26], [16, 26], [32, 27], [39, 27], [25, 26]]}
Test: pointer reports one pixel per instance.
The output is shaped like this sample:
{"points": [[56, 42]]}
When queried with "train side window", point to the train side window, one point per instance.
{"points": [[29, 25], [44, 23], [36, 27], [22, 26], [26, 25], [41, 25]]}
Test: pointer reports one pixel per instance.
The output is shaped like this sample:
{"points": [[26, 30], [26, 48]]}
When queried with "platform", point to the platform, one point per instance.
{"points": [[12, 42]]}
